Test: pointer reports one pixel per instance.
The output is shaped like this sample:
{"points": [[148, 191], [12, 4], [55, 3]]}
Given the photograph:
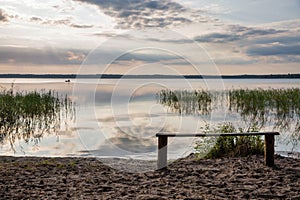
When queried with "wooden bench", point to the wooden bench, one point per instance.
{"points": [[163, 144]]}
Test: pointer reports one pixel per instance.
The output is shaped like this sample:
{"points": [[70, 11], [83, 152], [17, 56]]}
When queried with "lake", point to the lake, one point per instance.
{"points": [[120, 117]]}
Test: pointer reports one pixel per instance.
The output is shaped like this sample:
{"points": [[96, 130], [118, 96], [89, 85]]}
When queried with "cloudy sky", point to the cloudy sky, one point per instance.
{"points": [[239, 37]]}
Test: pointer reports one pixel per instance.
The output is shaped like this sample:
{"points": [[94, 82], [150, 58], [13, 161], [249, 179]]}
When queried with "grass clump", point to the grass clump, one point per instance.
{"points": [[186, 102], [276, 108], [30, 115], [230, 146], [278, 105]]}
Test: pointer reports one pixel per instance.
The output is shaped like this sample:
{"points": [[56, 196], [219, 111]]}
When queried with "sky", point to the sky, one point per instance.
{"points": [[144, 36]]}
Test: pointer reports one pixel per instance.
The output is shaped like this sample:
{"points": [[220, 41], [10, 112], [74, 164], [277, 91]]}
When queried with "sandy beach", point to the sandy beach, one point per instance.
{"points": [[187, 178]]}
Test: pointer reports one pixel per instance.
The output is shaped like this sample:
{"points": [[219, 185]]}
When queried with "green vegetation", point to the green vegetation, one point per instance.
{"points": [[186, 102], [279, 106], [276, 108], [30, 115], [230, 146]]}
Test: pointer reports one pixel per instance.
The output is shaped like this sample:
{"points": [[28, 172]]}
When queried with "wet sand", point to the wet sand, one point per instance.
{"points": [[187, 178]]}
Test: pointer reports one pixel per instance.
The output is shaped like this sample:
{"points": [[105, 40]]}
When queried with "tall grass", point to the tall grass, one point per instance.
{"points": [[230, 146], [29, 115], [186, 102], [278, 108]]}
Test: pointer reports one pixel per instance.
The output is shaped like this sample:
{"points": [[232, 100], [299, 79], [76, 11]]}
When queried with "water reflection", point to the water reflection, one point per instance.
{"points": [[99, 131], [29, 116], [132, 144], [187, 102], [260, 108]]}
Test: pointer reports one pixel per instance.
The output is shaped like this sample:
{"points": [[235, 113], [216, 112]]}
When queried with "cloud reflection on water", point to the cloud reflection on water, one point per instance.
{"points": [[99, 134]]}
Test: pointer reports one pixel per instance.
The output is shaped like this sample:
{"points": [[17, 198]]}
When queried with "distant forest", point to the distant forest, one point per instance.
{"points": [[155, 76]]}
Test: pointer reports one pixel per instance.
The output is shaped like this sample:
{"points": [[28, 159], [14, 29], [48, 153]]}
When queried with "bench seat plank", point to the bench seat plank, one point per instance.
{"points": [[214, 134], [163, 144]]}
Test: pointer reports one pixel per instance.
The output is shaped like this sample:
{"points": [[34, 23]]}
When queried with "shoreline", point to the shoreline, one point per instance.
{"points": [[287, 154], [86, 178], [153, 76]]}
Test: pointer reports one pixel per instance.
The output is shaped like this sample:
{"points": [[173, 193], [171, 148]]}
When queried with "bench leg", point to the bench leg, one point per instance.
{"points": [[162, 152], [269, 150]]}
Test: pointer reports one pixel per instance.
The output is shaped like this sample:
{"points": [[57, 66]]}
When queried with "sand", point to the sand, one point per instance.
{"points": [[187, 178]]}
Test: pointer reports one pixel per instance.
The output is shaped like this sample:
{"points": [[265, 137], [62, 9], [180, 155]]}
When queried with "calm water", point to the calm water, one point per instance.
{"points": [[119, 118]]}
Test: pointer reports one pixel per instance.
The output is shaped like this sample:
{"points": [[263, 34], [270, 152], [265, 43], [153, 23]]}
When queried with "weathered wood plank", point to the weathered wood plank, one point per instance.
{"points": [[214, 134], [269, 150], [162, 152], [163, 144]]}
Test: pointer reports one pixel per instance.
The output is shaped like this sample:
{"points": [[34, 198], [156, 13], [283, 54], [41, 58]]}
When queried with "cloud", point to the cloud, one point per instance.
{"points": [[217, 38], [148, 38], [146, 13], [65, 22], [81, 26], [173, 41], [283, 39], [147, 56], [261, 32], [268, 43], [3, 16], [35, 56], [109, 35], [73, 56], [237, 33], [279, 44], [57, 22], [274, 50], [35, 19]]}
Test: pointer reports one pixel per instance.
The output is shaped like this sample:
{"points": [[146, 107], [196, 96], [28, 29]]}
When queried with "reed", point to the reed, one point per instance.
{"points": [[30, 115], [186, 102], [277, 108]]}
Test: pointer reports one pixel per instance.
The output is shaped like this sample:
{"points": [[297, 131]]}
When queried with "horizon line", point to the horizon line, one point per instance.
{"points": [[153, 76]]}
